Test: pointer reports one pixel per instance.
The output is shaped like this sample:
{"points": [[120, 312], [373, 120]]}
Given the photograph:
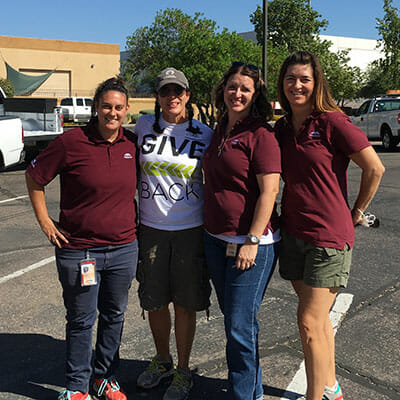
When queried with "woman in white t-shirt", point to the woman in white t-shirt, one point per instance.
{"points": [[171, 262]]}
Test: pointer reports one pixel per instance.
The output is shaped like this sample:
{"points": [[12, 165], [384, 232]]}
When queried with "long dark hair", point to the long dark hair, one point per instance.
{"points": [[189, 110], [116, 83], [261, 105], [321, 98]]}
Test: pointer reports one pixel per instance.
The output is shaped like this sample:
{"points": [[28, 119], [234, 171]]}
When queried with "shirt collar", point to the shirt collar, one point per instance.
{"points": [[247, 123], [94, 135]]}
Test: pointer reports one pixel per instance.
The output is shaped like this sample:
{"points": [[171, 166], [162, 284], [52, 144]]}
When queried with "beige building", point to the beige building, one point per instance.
{"points": [[79, 66]]}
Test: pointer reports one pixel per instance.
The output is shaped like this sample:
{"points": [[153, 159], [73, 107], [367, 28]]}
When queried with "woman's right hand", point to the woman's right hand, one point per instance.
{"points": [[356, 216], [50, 228], [53, 233]]}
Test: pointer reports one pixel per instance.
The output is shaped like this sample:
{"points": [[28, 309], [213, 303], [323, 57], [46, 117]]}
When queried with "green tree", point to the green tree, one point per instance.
{"points": [[292, 24], [389, 30], [191, 44], [344, 81], [375, 81], [7, 86], [384, 74]]}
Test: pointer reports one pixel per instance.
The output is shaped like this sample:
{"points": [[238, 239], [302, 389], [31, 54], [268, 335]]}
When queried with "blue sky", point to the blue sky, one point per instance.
{"points": [[108, 22]]}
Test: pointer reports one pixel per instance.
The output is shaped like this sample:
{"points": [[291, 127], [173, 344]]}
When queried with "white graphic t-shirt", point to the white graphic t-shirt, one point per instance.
{"points": [[171, 180]]}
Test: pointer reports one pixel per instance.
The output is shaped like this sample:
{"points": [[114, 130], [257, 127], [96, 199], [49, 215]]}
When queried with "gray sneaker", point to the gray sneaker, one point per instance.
{"points": [[156, 371], [180, 387]]}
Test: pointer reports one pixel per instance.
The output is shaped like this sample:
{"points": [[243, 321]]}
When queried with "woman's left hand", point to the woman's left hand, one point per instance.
{"points": [[246, 256]]}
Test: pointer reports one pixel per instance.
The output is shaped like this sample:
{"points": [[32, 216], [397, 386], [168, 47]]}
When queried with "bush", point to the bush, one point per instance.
{"points": [[7, 86]]}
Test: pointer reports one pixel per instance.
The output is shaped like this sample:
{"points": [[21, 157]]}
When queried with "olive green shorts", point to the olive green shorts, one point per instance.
{"points": [[316, 266], [172, 268]]}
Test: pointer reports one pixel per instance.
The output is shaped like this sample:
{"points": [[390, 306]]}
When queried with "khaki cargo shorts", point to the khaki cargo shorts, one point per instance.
{"points": [[316, 266]]}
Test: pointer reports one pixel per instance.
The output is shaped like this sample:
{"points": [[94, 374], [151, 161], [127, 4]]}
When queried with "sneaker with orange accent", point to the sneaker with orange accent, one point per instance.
{"points": [[71, 395], [108, 389]]}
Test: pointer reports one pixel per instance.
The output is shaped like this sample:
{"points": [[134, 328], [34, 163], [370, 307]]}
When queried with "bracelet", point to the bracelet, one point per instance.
{"points": [[361, 212]]}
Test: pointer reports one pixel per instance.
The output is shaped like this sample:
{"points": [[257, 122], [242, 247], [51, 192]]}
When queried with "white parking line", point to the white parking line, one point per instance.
{"points": [[14, 198], [298, 385], [27, 269]]}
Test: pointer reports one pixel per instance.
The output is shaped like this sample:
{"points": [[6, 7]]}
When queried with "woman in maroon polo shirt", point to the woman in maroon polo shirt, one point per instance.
{"points": [[242, 167], [317, 143], [95, 239]]}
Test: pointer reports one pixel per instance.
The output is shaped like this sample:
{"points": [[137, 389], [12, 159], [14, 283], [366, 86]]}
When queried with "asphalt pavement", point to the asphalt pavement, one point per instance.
{"points": [[32, 316]]}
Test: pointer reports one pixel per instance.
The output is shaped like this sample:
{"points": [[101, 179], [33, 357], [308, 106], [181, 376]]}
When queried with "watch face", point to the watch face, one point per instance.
{"points": [[253, 239]]}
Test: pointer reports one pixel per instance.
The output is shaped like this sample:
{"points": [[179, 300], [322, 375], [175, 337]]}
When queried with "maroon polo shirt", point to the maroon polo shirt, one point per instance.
{"points": [[314, 163], [231, 189], [98, 185]]}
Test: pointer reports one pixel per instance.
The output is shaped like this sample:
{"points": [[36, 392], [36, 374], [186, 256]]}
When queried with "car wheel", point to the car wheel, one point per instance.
{"points": [[388, 141]]}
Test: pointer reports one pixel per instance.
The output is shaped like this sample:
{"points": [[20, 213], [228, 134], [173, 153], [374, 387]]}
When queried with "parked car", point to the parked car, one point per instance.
{"points": [[11, 141], [379, 118], [76, 109]]}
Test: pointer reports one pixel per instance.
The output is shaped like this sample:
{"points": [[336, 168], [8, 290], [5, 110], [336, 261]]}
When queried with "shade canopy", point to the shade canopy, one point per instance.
{"points": [[24, 84]]}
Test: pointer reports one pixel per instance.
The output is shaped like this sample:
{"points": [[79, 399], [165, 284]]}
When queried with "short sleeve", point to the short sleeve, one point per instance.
{"points": [[49, 163], [266, 156], [136, 128], [346, 136]]}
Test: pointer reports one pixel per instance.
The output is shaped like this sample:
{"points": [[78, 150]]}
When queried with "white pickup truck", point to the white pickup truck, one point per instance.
{"points": [[76, 109], [379, 118], [11, 142], [41, 118]]}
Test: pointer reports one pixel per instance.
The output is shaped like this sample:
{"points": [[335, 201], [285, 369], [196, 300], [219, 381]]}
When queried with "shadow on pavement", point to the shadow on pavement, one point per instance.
{"points": [[205, 388], [28, 361], [32, 364]]}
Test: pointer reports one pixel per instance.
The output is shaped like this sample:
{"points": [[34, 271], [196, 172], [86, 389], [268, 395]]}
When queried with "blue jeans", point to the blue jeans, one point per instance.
{"points": [[115, 270], [240, 294]]}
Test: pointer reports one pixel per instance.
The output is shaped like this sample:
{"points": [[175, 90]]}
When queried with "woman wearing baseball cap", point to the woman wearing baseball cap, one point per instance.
{"points": [[172, 266]]}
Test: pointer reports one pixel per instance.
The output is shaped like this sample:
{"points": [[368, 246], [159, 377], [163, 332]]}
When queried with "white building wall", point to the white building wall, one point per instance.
{"points": [[362, 51]]}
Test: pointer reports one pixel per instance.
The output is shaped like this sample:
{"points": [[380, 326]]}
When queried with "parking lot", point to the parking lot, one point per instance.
{"points": [[367, 313]]}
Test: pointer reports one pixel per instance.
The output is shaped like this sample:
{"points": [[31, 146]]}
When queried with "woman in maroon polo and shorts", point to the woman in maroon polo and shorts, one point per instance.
{"points": [[317, 225]]}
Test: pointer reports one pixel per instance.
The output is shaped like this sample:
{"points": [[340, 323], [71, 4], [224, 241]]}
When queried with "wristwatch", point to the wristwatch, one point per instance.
{"points": [[253, 239]]}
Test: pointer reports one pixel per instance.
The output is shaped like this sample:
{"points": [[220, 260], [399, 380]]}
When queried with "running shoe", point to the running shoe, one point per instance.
{"points": [[71, 395], [108, 389], [155, 372], [180, 387]]}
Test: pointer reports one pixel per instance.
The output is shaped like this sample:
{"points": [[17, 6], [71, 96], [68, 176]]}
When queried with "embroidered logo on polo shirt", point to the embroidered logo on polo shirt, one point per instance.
{"points": [[315, 135], [128, 155], [33, 163]]}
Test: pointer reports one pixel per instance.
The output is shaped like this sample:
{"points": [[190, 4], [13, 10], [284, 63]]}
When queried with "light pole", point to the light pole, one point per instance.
{"points": [[265, 30]]}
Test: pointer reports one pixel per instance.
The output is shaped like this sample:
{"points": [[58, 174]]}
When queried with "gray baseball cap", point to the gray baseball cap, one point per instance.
{"points": [[171, 75]]}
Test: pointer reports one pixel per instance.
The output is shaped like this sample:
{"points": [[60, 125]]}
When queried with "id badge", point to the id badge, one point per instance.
{"points": [[231, 249], [88, 272]]}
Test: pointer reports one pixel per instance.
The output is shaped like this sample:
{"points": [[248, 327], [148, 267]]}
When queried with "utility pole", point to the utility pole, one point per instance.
{"points": [[265, 35]]}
